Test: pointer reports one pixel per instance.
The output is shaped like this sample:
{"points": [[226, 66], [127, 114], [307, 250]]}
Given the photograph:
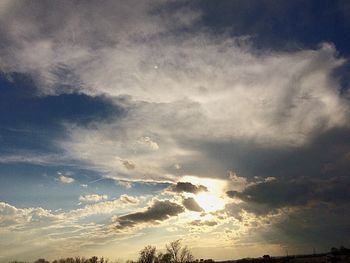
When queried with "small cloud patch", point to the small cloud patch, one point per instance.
{"points": [[200, 223], [65, 179], [188, 187], [192, 205], [128, 164], [92, 198], [147, 141], [158, 211]]}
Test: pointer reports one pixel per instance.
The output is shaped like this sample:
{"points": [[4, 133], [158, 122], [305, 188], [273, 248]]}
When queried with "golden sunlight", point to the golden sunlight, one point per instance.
{"points": [[209, 202], [217, 186]]}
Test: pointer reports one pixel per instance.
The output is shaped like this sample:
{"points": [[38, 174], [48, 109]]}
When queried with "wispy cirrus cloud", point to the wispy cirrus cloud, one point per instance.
{"points": [[104, 207], [92, 198]]}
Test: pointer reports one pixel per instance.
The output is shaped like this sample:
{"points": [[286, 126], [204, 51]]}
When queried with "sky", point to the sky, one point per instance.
{"points": [[130, 123]]}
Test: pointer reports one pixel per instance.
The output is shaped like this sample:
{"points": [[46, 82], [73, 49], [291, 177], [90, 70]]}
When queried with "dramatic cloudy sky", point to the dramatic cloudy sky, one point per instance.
{"points": [[128, 123]]}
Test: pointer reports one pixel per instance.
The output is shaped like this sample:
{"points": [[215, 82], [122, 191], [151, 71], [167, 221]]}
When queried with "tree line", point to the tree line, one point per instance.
{"points": [[175, 252]]}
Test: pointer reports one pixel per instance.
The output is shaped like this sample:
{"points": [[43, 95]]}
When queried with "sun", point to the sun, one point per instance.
{"points": [[209, 202]]}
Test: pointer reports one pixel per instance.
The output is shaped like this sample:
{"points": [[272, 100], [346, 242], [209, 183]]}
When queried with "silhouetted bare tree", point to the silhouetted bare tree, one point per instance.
{"points": [[175, 253], [147, 255], [178, 254], [186, 255], [163, 258]]}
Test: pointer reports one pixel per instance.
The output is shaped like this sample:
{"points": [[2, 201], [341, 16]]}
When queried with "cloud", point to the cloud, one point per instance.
{"points": [[298, 192], [238, 182], [158, 211], [192, 205], [294, 210], [37, 230], [269, 99], [188, 187], [128, 164], [109, 60], [22, 218], [318, 226], [125, 184], [148, 142], [105, 207], [92, 198], [116, 23], [200, 223], [273, 77], [201, 102], [65, 179], [33, 157], [208, 104]]}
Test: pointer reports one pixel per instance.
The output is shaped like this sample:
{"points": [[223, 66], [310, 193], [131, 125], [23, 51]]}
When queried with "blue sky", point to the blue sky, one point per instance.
{"points": [[224, 124]]}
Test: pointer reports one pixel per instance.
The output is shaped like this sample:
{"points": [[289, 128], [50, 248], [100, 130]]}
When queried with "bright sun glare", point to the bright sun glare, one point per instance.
{"points": [[209, 202]]}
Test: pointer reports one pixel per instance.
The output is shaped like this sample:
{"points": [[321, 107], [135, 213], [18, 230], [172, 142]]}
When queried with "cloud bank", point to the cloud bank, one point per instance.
{"points": [[157, 212], [169, 99]]}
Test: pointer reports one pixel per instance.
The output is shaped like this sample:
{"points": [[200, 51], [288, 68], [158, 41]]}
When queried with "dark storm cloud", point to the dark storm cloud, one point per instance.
{"points": [[312, 212], [158, 211], [320, 226], [188, 187], [312, 179], [295, 192], [276, 193], [324, 156], [192, 205]]}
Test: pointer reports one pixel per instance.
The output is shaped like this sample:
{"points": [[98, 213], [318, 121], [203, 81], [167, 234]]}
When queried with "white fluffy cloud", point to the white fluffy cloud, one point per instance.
{"points": [[219, 92]]}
